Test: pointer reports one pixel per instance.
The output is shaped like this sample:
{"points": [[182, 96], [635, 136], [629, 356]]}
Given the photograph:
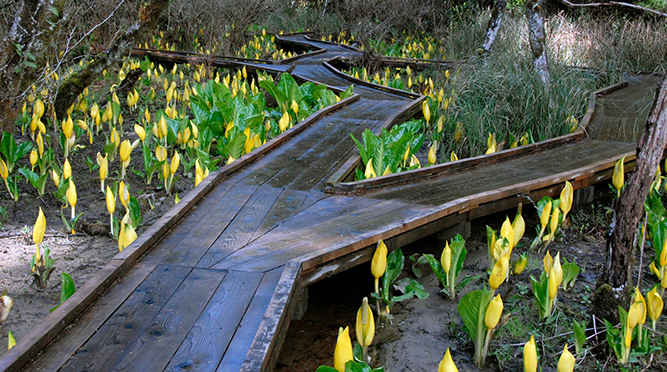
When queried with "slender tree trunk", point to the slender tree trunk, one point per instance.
{"points": [[24, 53], [630, 206], [494, 25], [69, 89], [537, 38]]}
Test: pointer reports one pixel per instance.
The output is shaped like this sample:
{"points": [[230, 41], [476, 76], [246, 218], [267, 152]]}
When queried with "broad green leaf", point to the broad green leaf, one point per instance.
{"points": [[472, 308], [436, 266]]}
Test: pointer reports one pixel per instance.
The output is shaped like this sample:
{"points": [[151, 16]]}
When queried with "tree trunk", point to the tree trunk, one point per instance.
{"points": [[630, 206], [24, 52], [69, 89], [537, 38], [494, 25]]}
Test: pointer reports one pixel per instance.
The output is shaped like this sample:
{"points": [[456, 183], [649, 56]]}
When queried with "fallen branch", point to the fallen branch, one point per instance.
{"points": [[614, 3]]}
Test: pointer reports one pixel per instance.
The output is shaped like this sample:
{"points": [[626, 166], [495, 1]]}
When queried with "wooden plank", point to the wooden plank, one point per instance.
{"points": [[287, 205], [242, 227], [200, 238], [156, 345], [246, 331], [123, 328], [282, 237], [53, 356], [205, 344], [265, 347]]}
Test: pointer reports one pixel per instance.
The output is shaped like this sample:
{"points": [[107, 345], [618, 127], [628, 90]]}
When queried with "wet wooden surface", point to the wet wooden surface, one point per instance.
{"points": [[215, 292]]}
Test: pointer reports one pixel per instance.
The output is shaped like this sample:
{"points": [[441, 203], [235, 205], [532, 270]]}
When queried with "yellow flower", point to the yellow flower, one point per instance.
{"points": [[518, 227], [548, 262], [126, 235], [10, 340], [38, 231], [125, 151], [115, 138], [557, 269], [618, 177], [637, 312], [295, 107], [283, 123], [175, 162], [33, 157], [655, 305], [507, 232], [160, 153], [365, 326], [343, 351], [426, 110], [141, 132], [663, 255], [520, 264], [111, 201], [38, 108], [654, 269], [432, 154], [498, 273], [104, 166], [54, 176], [554, 221], [40, 144], [544, 217], [493, 312], [379, 261], [530, 356], [566, 198], [566, 361], [71, 194], [370, 172], [553, 286], [447, 363], [446, 258], [123, 195], [68, 127], [67, 170], [453, 157]]}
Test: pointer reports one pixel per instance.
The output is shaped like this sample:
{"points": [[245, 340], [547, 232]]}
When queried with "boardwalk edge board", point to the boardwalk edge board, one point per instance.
{"points": [[28, 347], [265, 347], [340, 182], [552, 184]]}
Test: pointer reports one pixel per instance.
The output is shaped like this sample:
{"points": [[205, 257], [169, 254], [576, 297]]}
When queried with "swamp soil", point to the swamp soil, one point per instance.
{"points": [[81, 254]]}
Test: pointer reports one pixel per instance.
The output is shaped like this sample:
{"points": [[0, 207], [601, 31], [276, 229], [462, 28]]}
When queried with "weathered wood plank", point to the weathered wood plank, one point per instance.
{"points": [[200, 238], [246, 331], [153, 349], [287, 205], [123, 328], [266, 344], [240, 230], [207, 341], [53, 356]]}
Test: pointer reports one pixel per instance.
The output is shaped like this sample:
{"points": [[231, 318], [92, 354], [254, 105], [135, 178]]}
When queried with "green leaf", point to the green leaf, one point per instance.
{"points": [[458, 254], [354, 366], [541, 294], [579, 330], [472, 308], [235, 146], [347, 92], [395, 262], [436, 266], [570, 272], [326, 369]]}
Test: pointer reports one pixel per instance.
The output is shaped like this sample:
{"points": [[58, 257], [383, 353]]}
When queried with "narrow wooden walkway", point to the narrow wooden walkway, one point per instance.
{"points": [[216, 292]]}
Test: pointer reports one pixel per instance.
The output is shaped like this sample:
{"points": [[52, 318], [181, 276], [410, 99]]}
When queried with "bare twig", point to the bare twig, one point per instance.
{"points": [[614, 3]]}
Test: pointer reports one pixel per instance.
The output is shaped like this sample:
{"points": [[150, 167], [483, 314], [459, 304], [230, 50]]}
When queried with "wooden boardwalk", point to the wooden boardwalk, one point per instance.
{"points": [[213, 284]]}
